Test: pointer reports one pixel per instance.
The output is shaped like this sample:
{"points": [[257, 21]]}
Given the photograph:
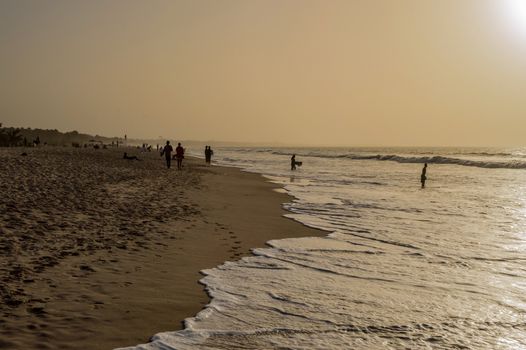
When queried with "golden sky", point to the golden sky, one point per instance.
{"points": [[326, 72]]}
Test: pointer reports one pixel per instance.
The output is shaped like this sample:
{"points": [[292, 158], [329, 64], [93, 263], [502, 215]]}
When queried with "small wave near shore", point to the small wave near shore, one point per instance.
{"points": [[400, 267], [506, 163]]}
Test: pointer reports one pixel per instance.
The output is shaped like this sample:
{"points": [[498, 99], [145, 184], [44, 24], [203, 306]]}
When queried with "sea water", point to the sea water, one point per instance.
{"points": [[401, 267]]}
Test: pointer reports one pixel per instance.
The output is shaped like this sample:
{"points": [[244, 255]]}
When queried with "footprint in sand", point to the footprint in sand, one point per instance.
{"points": [[86, 268], [36, 310]]}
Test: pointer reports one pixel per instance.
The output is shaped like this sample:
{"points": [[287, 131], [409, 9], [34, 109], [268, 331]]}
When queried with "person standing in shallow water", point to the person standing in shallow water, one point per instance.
{"points": [[210, 154], [423, 176], [293, 162], [179, 155], [167, 152]]}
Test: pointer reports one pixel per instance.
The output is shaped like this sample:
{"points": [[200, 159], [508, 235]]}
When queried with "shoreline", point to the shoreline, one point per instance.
{"points": [[122, 297]]}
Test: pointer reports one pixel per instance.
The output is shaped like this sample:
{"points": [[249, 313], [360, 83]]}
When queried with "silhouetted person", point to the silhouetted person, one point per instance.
{"points": [[167, 152], [423, 177], [208, 154], [179, 155], [126, 156], [211, 153], [293, 162]]}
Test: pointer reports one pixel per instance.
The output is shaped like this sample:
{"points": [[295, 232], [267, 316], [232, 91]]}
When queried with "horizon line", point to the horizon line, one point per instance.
{"points": [[265, 143]]}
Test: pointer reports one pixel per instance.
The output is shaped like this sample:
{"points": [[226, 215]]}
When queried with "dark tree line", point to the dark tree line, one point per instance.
{"points": [[12, 137]]}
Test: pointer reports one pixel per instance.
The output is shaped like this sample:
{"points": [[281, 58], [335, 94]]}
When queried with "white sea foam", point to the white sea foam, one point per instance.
{"points": [[400, 268], [486, 160]]}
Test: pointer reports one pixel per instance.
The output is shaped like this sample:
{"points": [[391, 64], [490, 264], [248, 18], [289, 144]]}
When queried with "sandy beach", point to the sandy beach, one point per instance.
{"points": [[99, 252]]}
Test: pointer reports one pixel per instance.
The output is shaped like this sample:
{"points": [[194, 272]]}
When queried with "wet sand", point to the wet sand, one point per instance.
{"points": [[97, 252]]}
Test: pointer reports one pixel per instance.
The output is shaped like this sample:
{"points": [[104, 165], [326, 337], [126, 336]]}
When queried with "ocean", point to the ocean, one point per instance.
{"points": [[400, 268]]}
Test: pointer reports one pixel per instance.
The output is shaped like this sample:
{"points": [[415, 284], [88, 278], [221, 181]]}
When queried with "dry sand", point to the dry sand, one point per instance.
{"points": [[98, 252]]}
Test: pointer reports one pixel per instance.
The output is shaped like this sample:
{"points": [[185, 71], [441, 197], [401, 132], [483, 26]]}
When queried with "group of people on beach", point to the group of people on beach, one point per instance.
{"points": [[179, 155], [167, 151]]}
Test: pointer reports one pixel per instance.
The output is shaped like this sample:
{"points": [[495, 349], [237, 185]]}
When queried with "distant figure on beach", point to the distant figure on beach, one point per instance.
{"points": [[208, 154], [179, 155], [126, 156], [293, 162], [423, 177], [167, 152]]}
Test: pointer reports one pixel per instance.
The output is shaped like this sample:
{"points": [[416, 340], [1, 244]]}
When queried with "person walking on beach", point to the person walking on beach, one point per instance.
{"points": [[293, 162], [208, 154], [423, 176], [179, 155], [167, 152]]}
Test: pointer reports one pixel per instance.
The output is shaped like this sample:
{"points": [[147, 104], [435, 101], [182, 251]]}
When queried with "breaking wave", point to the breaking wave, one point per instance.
{"points": [[512, 164]]}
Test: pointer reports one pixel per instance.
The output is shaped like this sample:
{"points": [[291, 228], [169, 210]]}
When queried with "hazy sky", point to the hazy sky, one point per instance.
{"points": [[354, 72]]}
